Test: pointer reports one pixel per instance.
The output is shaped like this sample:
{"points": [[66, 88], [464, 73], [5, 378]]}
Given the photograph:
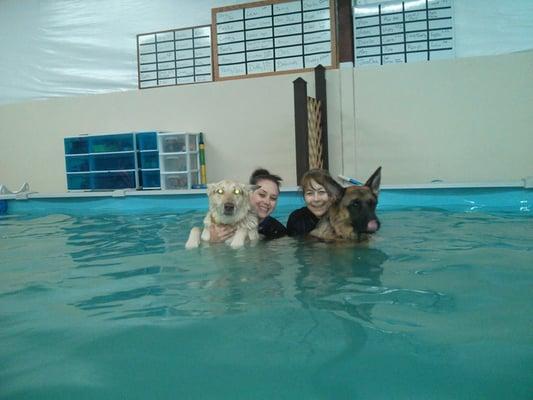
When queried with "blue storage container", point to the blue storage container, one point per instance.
{"points": [[112, 162], [150, 179], [149, 159], [76, 145], [146, 141], [131, 161], [111, 143], [78, 181], [77, 163], [113, 180]]}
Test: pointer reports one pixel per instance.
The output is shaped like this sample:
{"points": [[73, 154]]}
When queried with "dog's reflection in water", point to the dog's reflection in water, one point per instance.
{"points": [[339, 277], [330, 277]]}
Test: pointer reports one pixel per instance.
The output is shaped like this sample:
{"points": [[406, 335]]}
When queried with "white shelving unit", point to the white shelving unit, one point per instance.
{"points": [[179, 159]]}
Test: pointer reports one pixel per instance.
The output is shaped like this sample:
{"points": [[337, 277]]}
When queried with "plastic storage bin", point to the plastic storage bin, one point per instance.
{"points": [[176, 181], [111, 143], [174, 143], [176, 162], [194, 178], [193, 161], [150, 179], [76, 145], [112, 162], [77, 163], [146, 141], [78, 181], [101, 162], [149, 160], [113, 180], [193, 141], [179, 159]]}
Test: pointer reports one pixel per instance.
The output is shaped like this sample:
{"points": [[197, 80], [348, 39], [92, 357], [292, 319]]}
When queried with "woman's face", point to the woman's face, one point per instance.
{"points": [[265, 198], [317, 198]]}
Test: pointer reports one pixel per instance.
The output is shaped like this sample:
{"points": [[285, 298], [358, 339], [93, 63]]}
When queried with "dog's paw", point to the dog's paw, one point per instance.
{"points": [[194, 239], [238, 239], [253, 236], [191, 245], [206, 235], [236, 245], [237, 242]]}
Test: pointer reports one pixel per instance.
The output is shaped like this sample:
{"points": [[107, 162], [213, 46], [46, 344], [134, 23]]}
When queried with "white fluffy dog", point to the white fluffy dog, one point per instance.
{"points": [[229, 204]]}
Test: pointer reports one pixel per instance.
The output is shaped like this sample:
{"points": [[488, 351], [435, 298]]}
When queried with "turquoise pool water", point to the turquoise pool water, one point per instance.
{"points": [[438, 306]]}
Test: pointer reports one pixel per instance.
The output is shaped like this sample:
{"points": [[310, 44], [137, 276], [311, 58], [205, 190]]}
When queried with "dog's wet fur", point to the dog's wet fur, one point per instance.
{"points": [[353, 216], [229, 204]]}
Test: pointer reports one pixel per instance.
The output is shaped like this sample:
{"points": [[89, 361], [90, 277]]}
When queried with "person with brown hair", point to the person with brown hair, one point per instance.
{"points": [[320, 190], [265, 199]]}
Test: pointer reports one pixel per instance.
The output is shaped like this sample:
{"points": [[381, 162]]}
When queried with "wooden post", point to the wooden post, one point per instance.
{"points": [[345, 31], [300, 125], [320, 94]]}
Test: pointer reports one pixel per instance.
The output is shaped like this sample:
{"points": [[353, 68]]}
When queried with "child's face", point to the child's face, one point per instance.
{"points": [[317, 198]]}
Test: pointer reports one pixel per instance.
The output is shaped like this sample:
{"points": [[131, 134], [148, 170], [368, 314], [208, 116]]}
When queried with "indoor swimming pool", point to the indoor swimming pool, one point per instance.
{"points": [[111, 306]]}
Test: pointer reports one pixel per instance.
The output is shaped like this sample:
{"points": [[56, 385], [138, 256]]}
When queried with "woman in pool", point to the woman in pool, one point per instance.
{"points": [[264, 199], [320, 190]]}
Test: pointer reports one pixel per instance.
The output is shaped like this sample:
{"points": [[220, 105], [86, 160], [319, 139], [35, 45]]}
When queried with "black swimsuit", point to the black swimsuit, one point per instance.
{"points": [[301, 222], [271, 228]]}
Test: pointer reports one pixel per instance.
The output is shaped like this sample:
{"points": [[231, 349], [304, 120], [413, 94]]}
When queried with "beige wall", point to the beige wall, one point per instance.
{"points": [[464, 120], [460, 120], [247, 123]]}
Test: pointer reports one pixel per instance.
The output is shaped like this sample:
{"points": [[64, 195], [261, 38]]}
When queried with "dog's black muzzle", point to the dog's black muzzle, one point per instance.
{"points": [[229, 208], [366, 225], [364, 219]]}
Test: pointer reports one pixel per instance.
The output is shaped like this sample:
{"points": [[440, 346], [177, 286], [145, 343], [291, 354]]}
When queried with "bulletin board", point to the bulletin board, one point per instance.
{"points": [[403, 31], [270, 37], [174, 57]]}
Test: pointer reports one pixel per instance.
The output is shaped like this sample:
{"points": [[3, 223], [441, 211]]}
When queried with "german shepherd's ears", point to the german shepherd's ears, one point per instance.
{"points": [[374, 181]]}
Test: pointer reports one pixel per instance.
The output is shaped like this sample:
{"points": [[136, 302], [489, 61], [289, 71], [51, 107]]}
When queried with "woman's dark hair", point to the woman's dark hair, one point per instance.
{"points": [[263, 174]]}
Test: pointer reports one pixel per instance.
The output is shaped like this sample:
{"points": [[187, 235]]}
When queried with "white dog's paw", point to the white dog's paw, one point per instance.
{"points": [[194, 239], [206, 235], [253, 236], [236, 244], [238, 239]]}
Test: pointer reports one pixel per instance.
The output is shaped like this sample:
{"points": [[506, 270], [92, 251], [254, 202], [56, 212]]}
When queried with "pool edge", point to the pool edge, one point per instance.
{"points": [[510, 198]]}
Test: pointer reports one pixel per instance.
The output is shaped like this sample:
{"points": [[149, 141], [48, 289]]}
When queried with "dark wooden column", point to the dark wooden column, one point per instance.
{"points": [[344, 31], [300, 125], [320, 94]]}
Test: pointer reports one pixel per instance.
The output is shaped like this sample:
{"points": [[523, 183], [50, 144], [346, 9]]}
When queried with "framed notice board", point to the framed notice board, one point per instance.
{"points": [[269, 37], [403, 31], [174, 57]]}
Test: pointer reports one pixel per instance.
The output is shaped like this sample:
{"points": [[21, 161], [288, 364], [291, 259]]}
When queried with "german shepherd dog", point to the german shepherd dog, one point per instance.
{"points": [[353, 215]]}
